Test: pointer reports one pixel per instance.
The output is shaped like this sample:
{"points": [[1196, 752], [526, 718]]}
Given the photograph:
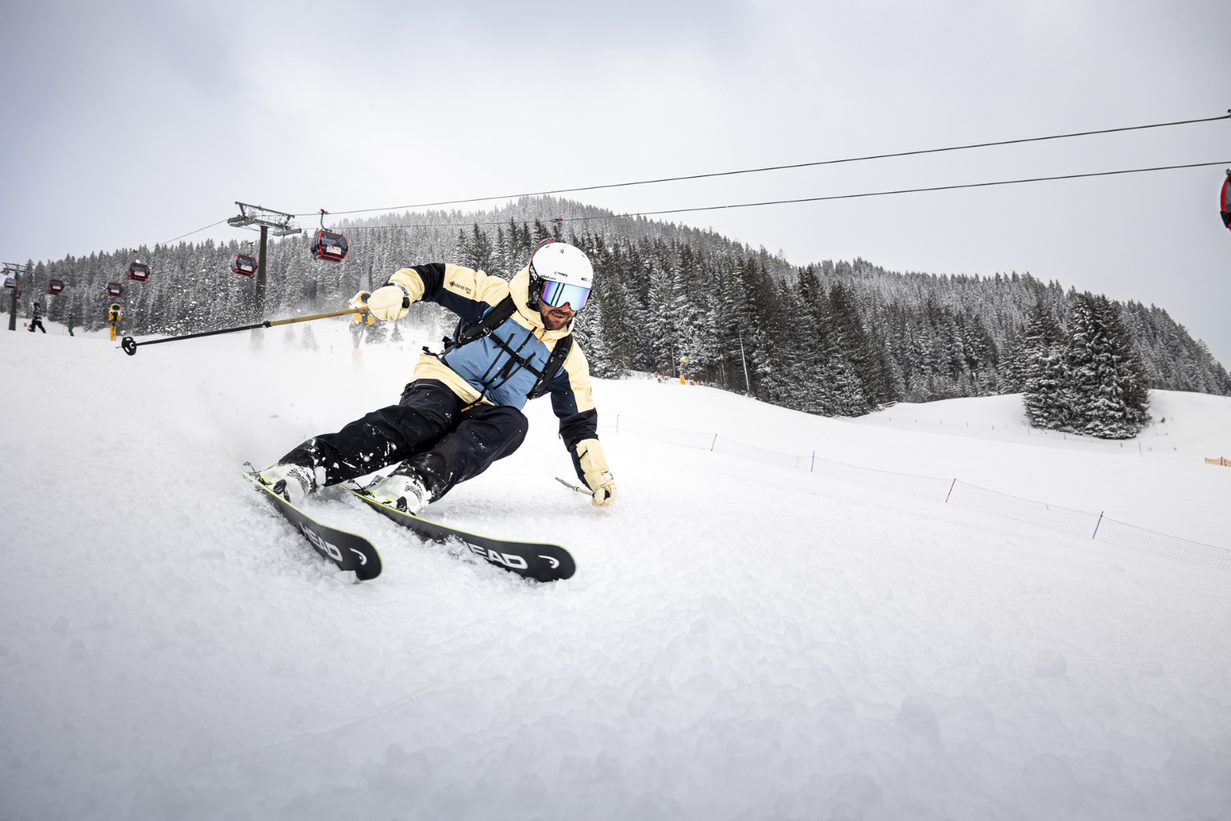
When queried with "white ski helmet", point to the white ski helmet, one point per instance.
{"points": [[559, 273]]}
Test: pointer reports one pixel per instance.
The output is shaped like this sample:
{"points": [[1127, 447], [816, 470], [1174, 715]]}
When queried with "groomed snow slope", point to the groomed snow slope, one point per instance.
{"points": [[741, 640]]}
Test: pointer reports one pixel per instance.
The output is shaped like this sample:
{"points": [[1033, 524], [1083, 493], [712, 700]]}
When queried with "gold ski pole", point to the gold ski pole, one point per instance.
{"points": [[572, 486], [130, 345]]}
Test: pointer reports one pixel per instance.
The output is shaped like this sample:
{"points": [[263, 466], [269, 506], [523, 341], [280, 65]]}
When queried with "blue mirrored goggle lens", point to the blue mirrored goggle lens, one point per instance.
{"points": [[557, 294]]}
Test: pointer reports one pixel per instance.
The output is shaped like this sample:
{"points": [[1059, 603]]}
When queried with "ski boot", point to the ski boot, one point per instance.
{"points": [[402, 490], [291, 482]]}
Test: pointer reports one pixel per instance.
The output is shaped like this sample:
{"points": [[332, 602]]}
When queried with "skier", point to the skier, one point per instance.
{"points": [[72, 320], [462, 409], [36, 320], [361, 318], [114, 317]]}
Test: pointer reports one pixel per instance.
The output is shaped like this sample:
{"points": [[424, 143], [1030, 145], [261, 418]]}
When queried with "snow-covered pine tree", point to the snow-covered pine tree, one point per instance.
{"points": [[855, 347], [591, 336], [662, 329], [541, 233], [838, 390], [1012, 373], [501, 258], [613, 301], [729, 316], [461, 248], [1046, 388], [475, 251], [688, 311], [981, 356], [1111, 400], [759, 295]]}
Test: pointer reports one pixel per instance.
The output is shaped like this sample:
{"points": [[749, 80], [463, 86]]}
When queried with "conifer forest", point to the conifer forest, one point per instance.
{"points": [[830, 337]]}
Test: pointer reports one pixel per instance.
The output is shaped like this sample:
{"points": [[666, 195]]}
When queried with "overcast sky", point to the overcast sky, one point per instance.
{"points": [[134, 122]]}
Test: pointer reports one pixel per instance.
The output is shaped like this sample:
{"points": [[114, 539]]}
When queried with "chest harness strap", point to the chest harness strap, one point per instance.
{"points": [[485, 327]]}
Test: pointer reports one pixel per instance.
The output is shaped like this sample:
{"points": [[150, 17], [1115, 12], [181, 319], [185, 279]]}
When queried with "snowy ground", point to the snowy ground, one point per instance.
{"points": [[741, 640]]}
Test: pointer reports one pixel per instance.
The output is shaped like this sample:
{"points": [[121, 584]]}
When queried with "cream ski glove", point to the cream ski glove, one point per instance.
{"points": [[597, 475], [389, 302]]}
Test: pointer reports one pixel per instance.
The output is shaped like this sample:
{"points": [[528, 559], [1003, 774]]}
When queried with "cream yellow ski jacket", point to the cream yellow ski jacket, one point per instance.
{"points": [[486, 370]]}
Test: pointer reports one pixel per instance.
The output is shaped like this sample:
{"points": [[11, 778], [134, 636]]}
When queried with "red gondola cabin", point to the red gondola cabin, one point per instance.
{"points": [[244, 265], [114, 289], [1224, 200], [55, 286], [138, 271], [329, 245]]}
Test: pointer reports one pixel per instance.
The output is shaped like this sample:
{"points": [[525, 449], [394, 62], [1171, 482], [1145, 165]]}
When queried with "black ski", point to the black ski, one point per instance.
{"points": [[347, 550], [533, 560]]}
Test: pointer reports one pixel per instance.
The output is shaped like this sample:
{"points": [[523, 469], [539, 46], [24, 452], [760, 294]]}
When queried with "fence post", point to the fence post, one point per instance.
{"points": [[715, 442], [950, 493], [1097, 524], [813, 468], [617, 423]]}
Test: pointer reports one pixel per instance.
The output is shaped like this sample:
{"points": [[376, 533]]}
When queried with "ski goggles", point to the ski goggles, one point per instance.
{"points": [[557, 294]]}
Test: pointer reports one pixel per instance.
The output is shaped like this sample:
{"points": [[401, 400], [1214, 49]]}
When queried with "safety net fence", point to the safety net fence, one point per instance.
{"points": [[952, 491]]}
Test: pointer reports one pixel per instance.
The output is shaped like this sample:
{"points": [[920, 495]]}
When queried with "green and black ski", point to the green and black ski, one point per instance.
{"points": [[534, 560], [348, 551]]}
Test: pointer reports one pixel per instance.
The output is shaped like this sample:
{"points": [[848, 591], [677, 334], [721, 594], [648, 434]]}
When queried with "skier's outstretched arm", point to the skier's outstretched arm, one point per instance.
{"points": [[465, 292], [573, 403]]}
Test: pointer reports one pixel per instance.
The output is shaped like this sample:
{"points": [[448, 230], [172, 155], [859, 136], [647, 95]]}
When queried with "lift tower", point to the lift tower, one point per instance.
{"points": [[12, 272], [254, 217]]}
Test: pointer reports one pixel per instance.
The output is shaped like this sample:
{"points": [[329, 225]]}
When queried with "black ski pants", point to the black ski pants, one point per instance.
{"points": [[430, 431]]}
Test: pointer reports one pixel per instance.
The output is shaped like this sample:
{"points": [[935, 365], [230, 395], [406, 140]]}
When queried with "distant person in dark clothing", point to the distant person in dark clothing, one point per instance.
{"points": [[36, 320], [72, 320]]}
